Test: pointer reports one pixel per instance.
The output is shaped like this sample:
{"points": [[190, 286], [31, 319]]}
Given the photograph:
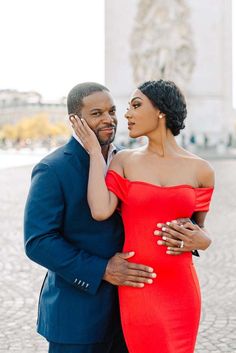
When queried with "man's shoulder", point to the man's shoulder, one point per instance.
{"points": [[53, 161], [53, 158]]}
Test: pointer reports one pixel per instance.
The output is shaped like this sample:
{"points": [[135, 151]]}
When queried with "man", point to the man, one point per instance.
{"points": [[78, 306]]}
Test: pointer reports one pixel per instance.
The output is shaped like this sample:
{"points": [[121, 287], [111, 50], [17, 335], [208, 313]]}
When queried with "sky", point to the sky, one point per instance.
{"points": [[49, 46]]}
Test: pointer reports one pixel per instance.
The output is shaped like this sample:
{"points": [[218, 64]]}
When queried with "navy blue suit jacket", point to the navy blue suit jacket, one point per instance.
{"points": [[75, 304]]}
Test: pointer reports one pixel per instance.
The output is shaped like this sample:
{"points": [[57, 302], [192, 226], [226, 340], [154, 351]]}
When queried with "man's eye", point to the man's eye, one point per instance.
{"points": [[112, 112], [96, 114]]}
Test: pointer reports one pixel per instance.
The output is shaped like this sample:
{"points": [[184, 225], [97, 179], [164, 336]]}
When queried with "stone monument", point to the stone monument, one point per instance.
{"points": [[186, 41]]}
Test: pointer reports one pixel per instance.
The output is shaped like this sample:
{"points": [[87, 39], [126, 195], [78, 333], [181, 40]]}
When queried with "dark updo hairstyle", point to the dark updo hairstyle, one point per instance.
{"points": [[168, 98]]}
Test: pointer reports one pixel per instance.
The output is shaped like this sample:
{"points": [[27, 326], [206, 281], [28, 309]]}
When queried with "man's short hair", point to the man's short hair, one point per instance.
{"points": [[79, 92]]}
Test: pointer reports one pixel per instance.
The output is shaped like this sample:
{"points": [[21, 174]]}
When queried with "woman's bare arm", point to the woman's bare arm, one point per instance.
{"points": [[102, 202]]}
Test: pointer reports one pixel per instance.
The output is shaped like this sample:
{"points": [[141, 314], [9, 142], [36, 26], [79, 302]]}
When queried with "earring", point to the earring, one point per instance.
{"points": [[160, 116]]}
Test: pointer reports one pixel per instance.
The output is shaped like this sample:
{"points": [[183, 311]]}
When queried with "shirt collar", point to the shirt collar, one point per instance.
{"points": [[111, 151]]}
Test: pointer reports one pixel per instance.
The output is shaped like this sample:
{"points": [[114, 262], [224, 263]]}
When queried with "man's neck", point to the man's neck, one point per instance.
{"points": [[105, 150]]}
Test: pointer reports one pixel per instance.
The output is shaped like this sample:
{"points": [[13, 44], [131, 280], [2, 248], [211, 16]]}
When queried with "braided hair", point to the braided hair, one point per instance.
{"points": [[168, 98]]}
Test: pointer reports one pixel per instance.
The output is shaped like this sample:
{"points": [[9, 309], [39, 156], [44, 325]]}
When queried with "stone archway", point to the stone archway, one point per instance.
{"points": [[204, 38]]}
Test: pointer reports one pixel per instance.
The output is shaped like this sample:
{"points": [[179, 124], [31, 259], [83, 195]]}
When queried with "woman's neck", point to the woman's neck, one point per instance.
{"points": [[162, 143]]}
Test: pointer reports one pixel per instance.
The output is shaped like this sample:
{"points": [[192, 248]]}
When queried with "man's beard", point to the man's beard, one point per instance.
{"points": [[109, 140]]}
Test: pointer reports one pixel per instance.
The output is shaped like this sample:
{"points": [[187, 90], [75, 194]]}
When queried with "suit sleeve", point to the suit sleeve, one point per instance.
{"points": [[44, 243]]}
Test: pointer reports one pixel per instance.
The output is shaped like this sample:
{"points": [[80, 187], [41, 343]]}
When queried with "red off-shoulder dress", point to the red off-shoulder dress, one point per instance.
{"points": [[162, 317]]}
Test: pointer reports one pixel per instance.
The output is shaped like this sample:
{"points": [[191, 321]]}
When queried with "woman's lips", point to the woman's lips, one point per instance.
{"points": [[130, 125]]}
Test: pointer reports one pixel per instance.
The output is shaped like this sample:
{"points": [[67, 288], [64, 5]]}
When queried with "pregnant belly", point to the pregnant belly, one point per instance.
{"points": [[148, 252]]}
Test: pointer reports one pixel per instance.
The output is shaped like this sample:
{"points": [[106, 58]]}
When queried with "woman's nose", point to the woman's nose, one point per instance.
{"points": [[127, 114]]}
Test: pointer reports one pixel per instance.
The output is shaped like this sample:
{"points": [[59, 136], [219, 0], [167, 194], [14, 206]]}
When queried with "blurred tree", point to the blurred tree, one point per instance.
{"points": [[36, 128], [9, 132]]}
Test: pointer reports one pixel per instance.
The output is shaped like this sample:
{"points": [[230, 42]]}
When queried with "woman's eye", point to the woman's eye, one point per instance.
{"points": [[136, 105]]}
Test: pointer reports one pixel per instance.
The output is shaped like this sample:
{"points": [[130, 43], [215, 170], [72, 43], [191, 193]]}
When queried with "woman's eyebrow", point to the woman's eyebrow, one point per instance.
{"points": [[134, 99]]}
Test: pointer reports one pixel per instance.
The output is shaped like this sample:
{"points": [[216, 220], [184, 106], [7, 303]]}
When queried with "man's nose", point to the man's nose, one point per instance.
{"points": [[108, 117]]}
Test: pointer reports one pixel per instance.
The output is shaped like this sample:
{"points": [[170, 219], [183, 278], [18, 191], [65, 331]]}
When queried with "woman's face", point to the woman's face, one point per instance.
{"points": [[142, 116]]}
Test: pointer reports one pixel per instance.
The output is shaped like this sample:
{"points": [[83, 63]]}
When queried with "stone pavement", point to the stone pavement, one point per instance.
{"points": [[21, 279]]}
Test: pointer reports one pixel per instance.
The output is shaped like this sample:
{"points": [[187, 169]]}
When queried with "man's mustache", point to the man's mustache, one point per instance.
{"points": [[110, 126]]}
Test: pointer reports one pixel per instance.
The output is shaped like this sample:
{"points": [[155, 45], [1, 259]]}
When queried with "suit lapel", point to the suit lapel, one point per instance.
{"points": [[77, 155]]}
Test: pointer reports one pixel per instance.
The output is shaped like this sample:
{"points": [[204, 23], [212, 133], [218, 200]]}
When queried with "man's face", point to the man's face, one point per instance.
{"points": [[99, 111]]}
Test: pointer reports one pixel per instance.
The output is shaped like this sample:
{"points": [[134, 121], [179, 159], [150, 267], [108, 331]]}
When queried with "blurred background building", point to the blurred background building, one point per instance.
{"points": [[15, 105], [186, 41], [27, 121]]}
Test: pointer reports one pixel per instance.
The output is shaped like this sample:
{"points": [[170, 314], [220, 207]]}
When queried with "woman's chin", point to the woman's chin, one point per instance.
{"points": [[134, 135]]}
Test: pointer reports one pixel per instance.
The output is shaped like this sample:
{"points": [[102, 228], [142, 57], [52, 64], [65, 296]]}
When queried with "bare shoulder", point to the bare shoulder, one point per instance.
{"points": [[124, 158], [204, 171], [126, 154], [121, 156], [118, 161]]}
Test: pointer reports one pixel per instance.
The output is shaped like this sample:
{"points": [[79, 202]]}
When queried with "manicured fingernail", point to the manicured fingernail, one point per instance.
{"points": [[150, 281], [141, 285], [174, 221], [154, 275], [157, 232], [159, 242], [164, 229], [159, 225], [164, 238], [150, 269], [168, 223], [168, 248], [168, 252]]}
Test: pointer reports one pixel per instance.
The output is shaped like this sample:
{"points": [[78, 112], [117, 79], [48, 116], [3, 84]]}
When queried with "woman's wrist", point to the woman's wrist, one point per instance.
{"points": [[94, 153], [206, 241]]}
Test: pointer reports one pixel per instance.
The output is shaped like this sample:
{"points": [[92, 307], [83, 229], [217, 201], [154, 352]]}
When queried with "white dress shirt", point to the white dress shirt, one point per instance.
{"points": [[111, 152]]}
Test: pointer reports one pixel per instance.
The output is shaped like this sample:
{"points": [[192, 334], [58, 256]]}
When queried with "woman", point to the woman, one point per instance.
{"points": [[157, 182]]}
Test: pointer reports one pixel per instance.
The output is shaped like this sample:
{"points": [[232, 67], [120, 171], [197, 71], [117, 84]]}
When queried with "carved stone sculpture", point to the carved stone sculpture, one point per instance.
{"points": [[161, 42]]}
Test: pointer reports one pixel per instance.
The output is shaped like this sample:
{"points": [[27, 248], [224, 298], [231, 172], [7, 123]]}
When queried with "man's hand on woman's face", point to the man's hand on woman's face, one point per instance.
{"points": [[181, 236]]}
